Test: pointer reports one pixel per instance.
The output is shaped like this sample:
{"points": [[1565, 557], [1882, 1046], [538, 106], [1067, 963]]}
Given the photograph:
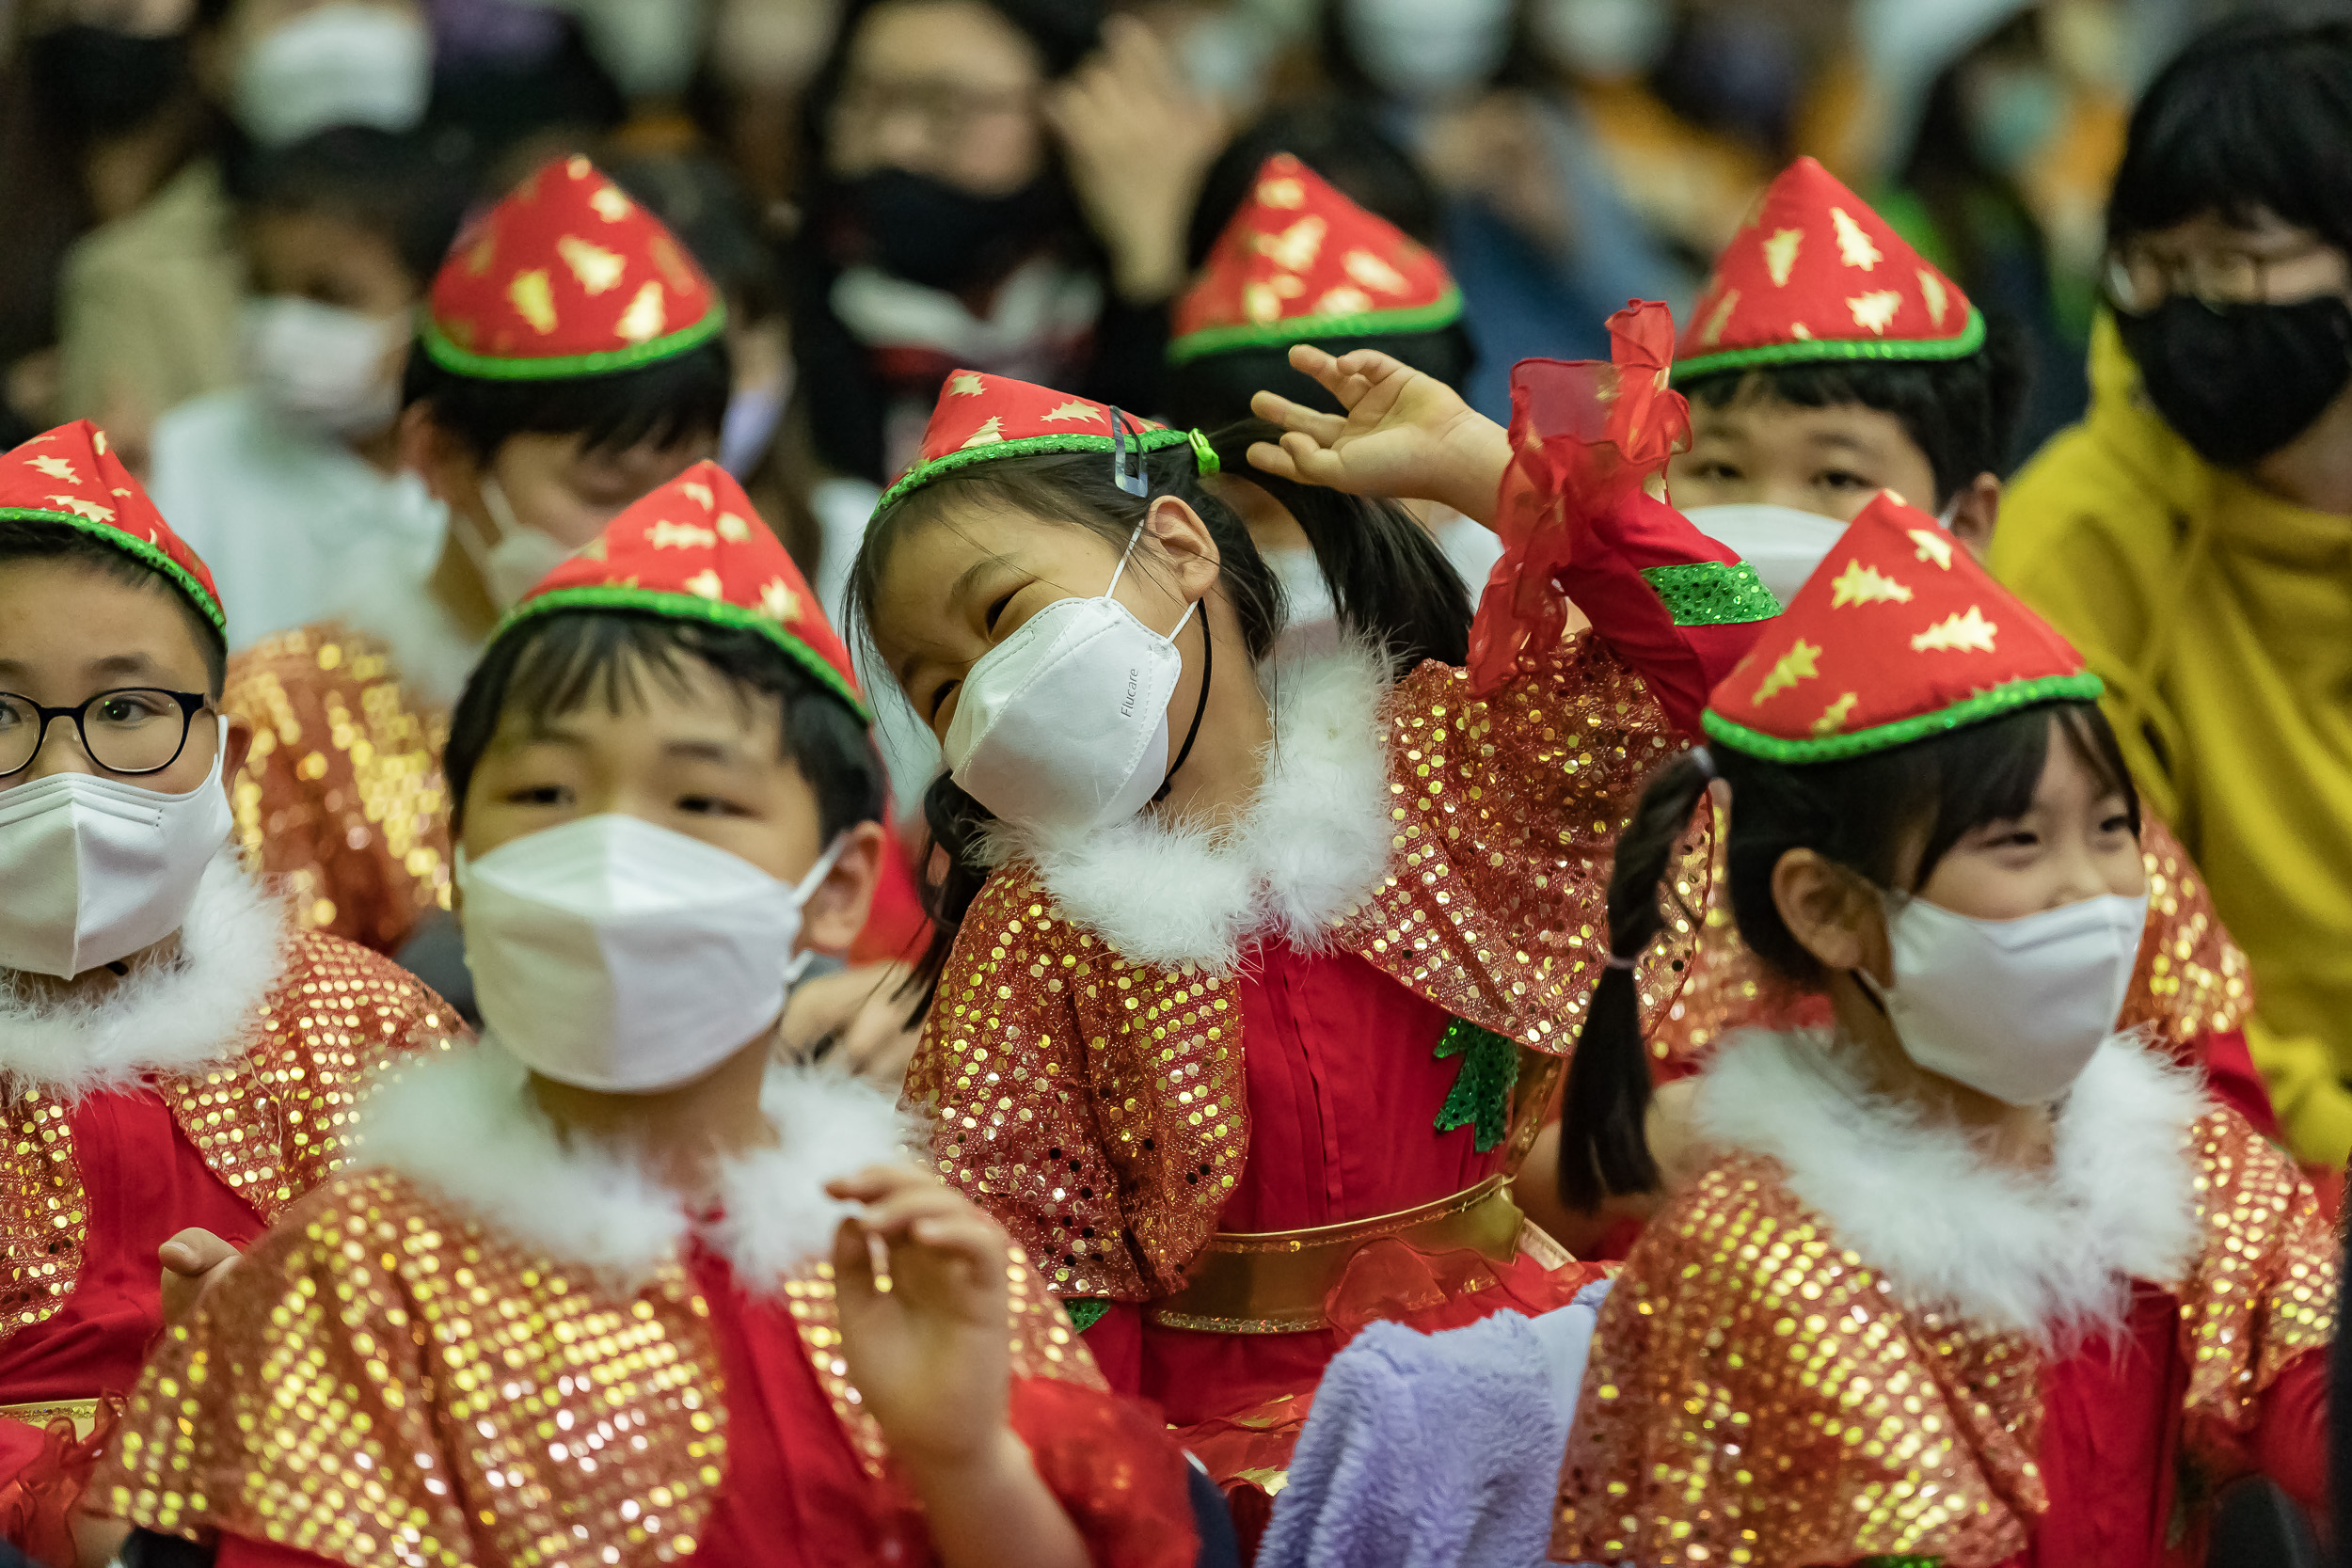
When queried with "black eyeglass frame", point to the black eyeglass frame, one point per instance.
{"points": [[191, 704]]}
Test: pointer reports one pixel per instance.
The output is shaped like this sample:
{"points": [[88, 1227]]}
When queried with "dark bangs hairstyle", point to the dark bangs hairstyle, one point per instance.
{"points": [[1961, 414], [35, 539], [402, 187], [1393, 586], [1862, 813], [670, 400], [559, 662], [2255, 113]]}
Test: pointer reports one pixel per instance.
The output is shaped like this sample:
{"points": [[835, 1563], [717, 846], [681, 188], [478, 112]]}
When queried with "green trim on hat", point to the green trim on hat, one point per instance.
{"points": [[459, 362], [131, 545], [964, 457], [1902, 732], [687, 606], [1712, 592], [1301, 329], [1814, 351]]}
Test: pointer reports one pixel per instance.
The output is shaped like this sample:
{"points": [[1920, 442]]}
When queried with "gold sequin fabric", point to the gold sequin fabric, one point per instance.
{"points": [[341, 796], [1095, 1105], [2262, 1291], [269, 1120], [2191, 979], [1758, 1395], [387, 1380]]}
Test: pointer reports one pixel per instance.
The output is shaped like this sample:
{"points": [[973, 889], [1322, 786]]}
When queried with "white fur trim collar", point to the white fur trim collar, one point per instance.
{"points": [[1311, 845], [461, 1125], [2050, 1255], [389, 602], [169, 1015]]}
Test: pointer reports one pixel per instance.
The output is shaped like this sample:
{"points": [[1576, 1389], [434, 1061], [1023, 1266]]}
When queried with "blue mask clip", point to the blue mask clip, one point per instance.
{"points": [[1127, 458]]}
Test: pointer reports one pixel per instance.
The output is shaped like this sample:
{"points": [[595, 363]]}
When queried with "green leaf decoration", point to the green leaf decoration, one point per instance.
{"points": [[1480, 1096]]}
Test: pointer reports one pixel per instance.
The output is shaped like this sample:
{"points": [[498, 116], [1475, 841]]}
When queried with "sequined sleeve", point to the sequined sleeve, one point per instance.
{"points": [[383, 1383], [1086, 1103], [2264, 1288], [341, 795], [1507, 810], [1755, 1395]]}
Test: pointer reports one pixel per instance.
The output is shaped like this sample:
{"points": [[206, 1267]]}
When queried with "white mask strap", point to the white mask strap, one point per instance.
{"points": [[798, 963], [1120, 571]]}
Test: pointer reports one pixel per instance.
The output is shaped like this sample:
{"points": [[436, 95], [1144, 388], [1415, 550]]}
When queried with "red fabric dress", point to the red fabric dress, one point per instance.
{"points": [[1336, 1052], [796, 1496]]}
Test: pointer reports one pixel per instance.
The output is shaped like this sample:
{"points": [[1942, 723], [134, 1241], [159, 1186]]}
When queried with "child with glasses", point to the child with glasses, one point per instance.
{"points": [[178, 1054]]}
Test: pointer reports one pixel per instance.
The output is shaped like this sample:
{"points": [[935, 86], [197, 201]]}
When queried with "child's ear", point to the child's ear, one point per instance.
{"points": [[435, 455], [1976, 511], [835, 910], [1830, 913], [1184, 538]]}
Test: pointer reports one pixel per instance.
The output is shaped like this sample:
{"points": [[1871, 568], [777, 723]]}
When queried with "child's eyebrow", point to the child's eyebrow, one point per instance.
{"points": [[703, 750]]}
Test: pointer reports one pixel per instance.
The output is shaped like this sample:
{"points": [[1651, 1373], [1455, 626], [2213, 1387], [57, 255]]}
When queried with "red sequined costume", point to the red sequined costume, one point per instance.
{"points": [[1240, 1094], [525, 1358], [212, 1092], [341, 796], [1850, 1337]]}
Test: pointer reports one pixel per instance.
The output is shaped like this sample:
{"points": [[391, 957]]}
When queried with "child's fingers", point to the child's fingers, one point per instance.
{"points": [[1274, 408], [894, 1215], [877, 1182], [853, 1263], [1269, 458], [1316, 463], [1323, 367]]}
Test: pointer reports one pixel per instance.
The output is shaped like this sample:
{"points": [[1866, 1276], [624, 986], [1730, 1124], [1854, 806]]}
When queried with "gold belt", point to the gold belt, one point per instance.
{"points": [[82, 1413], [1277, 1281]]}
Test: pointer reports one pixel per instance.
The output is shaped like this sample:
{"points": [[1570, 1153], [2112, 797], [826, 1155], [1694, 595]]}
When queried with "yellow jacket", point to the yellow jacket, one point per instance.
{"points": [[2220, 616]]}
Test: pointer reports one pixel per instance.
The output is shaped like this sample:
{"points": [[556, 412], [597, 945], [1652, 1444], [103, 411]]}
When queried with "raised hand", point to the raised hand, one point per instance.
{"points": [[924, 1300], [1137, 140], [1406, 435]]}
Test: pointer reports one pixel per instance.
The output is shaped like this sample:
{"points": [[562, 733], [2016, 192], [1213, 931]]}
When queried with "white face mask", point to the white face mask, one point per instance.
{"points": [[1429, 49], [97, 869], [522, 556], [1782, 544], [344, 63], [2013, 1008], [323, 366], [617, 956], [1609, 41], [1064, 723]]}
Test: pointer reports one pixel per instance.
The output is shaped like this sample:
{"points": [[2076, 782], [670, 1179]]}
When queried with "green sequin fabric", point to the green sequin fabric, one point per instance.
{"points": [[1712, 592], [1086, 1311], [1480, 1096]]}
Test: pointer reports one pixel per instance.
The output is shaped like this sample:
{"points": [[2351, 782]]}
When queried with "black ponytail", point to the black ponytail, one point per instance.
{"points": [[1390, 580], [1603, 1149]]}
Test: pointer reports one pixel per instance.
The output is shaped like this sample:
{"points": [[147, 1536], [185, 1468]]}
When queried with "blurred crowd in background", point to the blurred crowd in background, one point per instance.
{"points": [[220, 210]]}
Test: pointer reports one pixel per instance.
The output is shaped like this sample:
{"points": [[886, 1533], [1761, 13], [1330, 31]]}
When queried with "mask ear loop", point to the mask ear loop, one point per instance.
{"points": [[796, 965], [1127, 473]]}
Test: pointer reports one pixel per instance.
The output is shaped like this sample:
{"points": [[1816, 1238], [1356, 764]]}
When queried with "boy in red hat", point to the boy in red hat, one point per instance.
{"points": [[1827, 359], [617, 1286], [1971, 1275], [570, 361], [1298, 263], [180, 1052]]}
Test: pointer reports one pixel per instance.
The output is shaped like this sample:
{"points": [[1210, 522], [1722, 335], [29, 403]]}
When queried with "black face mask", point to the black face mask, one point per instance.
{"points": [[2238, 381], [931, 232], [101, 83]]}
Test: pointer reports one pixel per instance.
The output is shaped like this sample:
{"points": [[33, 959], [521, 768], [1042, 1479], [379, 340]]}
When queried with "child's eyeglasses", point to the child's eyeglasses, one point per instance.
{"points": [[133, 729]]}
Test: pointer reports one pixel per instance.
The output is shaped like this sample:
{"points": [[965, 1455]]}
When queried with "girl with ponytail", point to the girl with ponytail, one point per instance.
{"points": [[1966, 1273], [1255, 966]]}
